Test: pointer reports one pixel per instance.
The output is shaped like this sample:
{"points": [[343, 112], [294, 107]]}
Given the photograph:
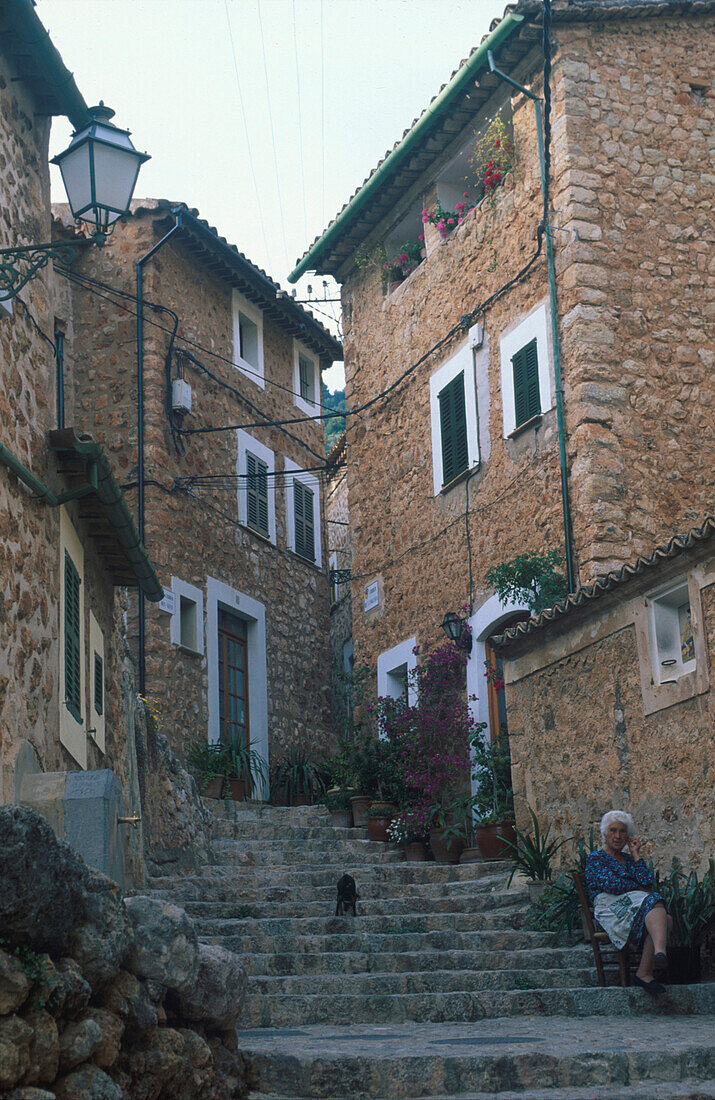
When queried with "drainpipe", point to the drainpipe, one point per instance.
{"points": [[42, 491], [140, 426], [566, 507]]}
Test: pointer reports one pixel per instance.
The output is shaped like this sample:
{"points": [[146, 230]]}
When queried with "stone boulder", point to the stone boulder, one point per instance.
{"points": [[218, 993], [112, 1029], [88, 1083], [63, 989], [103, 939], [165, 947], [15, 1037], [127, 998], [78, 1042], [14, 985], [43, 894], [44, 1052]]}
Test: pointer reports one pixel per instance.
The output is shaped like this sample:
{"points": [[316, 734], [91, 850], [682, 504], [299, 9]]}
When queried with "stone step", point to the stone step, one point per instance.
{"points": [[479, 921], [362, 962], [413, 904], [476, 1005], [690, 1089], [498, 1058], [224, 828], [319, 844], [409, 982], [384, 942], [257, 812], [308, 860], [392, 878]]}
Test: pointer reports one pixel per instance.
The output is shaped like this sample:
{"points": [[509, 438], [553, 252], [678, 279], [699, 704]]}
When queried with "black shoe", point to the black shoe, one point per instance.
{"points": [[653, 987], [660, 963]]}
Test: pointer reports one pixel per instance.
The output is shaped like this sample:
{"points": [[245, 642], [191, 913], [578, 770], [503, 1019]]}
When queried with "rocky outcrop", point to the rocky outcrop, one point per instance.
{"points": [[102, 999]]}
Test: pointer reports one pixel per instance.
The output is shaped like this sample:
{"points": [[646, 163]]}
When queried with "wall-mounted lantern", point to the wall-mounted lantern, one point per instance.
{"points": [[457, 631]]}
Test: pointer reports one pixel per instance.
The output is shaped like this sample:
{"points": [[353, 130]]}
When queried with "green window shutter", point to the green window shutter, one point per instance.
{"points": [[98, 684], [306, 378], [73, 689], [304, 528], [453, 429], [257, 493], [527, 401]]}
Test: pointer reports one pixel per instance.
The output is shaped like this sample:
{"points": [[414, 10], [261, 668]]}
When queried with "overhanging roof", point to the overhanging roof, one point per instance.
{"points": [[105, 513], [38, 64], [459, 101]]}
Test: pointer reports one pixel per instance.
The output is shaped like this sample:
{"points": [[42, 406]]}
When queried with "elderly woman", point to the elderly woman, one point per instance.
{"points": [[620, 889]]}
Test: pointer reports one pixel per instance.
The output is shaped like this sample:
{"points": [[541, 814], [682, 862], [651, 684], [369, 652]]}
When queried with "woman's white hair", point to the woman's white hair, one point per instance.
{"points": [[617, 815]]}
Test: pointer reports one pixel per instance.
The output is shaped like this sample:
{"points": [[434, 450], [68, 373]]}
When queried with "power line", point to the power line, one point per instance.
{"points": [[300, 124], [273, 135], [248, 140], [322, 105]]}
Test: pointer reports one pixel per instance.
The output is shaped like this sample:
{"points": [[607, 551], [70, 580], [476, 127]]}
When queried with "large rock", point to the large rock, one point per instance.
{"points": [[43, 882], [63, 989], [29, 1092], [165, 947], [102, 941], [218, 993], [128, 999], [44, 1049], [78, 1042], [112, 1029], [15, 1036], [88, 1083], [14, 985]]}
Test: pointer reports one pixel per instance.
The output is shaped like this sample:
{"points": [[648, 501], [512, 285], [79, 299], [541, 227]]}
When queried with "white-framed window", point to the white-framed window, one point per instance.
{"points": [[248, 339], [393, 671], [255, 466], [306, 380], [302, 496], [97, 680], [454, 414], [186, 623], [671, 633], [525, 359], [73, 672]]}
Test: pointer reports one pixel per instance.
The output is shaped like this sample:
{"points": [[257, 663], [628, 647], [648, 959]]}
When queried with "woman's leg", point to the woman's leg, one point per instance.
{"points": [[658, 925]]}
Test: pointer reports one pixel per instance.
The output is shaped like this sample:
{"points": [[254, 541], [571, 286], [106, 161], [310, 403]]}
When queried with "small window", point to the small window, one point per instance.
{"points": [[73, 686], [304, 527], [453, 429], [98, 685], [672, 632], [257, 494], [248, 339], [188, 622], [525, 365], [306, 379]]}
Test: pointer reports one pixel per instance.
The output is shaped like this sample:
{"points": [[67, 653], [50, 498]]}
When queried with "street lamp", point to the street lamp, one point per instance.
{"points": [[457, 631], [99, 170]]}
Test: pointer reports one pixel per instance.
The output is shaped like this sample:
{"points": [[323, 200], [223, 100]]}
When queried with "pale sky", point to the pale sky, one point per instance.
{"points": [[168, 69]]}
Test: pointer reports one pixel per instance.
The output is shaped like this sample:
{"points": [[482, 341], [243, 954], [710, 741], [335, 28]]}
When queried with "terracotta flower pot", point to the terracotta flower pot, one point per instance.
{"points": [[471, 855], [342, 819], [490, 839], [238, 789], [377, 828], [416, 851], [360, 805], [214, 787], [442, 852], [536, 889]]}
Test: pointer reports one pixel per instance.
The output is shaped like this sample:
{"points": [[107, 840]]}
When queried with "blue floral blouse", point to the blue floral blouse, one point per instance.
{"points": [[605, 875]]}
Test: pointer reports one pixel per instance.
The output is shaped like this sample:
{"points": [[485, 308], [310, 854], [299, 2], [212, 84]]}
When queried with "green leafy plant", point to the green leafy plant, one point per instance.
{"points": [[298, 776], [691, 904], [533, 853], [371, 256], [492, 156], [406, 259], [245, 762], [206, 762], [529, 578], [491, 762], [337, 800], [33, 963], [558, 910]]}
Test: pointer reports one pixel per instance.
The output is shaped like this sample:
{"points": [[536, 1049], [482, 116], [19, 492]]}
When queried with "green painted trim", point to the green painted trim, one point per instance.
{"points": [[457, 84]]}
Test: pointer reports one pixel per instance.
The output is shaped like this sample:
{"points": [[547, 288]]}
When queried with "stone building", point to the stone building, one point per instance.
{"points": [[68, 546], [229, 487], [341, 615], [610, 701], [500, 403]]}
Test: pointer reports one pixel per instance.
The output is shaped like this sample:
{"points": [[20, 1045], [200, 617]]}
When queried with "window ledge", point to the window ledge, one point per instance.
{"points": [[307, 561], [188, 651], [460, 477], [533, 422], [266, 539]]}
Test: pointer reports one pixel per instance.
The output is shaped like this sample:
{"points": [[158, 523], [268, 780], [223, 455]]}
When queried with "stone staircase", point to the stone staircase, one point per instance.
{"points": [[436, 990]]}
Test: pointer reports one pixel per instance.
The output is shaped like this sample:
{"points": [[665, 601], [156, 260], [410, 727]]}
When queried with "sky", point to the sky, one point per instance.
{"points": [[265, 115]]}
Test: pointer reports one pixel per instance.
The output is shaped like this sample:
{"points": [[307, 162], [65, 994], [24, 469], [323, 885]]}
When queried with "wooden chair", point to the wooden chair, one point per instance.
{"points": [[598, 938]]}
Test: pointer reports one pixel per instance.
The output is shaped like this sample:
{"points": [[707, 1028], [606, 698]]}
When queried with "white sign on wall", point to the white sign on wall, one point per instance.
{"points": [[168, 604], [371, 595]]}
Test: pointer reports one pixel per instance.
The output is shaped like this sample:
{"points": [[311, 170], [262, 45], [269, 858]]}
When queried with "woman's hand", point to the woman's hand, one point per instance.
{"points": [[634, 846]]}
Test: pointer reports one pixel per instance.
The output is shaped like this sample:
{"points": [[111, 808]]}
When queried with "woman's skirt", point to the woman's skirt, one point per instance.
{"points": [[622, 916]]}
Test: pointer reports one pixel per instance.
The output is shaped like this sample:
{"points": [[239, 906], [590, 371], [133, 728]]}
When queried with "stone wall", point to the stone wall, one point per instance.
{"points": [[341, 614], [582, 742], [195, 535]]}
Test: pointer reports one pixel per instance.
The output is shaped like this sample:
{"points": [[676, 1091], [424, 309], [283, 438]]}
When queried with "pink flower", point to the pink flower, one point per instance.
{"points": [[450, 221], [465, 195], [421, 238], [441, 224]]}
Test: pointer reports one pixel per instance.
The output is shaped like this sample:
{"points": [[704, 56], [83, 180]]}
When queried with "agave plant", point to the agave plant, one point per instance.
{"points": [[533, 854], [298, 776], [691, 904], [558, 910], [245, 762]]}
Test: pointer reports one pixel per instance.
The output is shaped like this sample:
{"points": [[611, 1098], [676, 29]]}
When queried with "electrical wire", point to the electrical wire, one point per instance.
{"points": [[248, 140], [273, 134], [300, 125], [26, 310], [322, 107]]}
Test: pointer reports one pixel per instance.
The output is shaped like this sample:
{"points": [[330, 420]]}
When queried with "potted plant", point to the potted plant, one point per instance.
{"points": [[337, 801], [209, 765], [532, 855], [493, 802], [691, 904], [448, 831], [379, 818], [413, 844], [297, 780], [447, 220], [245, 767]]}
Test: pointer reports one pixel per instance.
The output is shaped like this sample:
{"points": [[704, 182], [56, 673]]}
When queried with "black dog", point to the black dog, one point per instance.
{"points": [[347, 897]]}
